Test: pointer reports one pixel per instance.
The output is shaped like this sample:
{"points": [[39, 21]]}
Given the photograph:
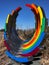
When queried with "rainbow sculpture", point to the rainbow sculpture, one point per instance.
{"points": [[30, 48]]}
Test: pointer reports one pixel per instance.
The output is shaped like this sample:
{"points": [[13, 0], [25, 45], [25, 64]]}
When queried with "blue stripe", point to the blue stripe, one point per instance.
{"points": [[36, 44], [17, 59], [5, 36]]}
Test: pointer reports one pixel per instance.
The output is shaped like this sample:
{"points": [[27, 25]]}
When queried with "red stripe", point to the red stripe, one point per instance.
{"points": [[28, 5], [31, 53], [6, 45], [18, 9]]}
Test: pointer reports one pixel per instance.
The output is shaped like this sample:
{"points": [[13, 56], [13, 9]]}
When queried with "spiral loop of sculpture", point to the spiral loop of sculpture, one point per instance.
{"points": [[17, 49]]}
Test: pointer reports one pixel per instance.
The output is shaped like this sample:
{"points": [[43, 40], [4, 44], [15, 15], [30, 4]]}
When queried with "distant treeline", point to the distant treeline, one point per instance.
{"points": [[2, 30], [26, 34]]}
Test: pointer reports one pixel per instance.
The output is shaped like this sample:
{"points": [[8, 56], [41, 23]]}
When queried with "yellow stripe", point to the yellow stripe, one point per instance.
{"points": [[41, 16], [41, 13], [7, 18]]}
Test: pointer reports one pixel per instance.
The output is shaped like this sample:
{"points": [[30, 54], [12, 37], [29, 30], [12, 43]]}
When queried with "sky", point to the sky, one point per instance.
{"points": [[25, 19]]}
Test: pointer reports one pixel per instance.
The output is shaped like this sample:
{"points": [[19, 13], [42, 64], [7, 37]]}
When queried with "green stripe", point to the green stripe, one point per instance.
{"points": [[43, 25], [42, 30]]}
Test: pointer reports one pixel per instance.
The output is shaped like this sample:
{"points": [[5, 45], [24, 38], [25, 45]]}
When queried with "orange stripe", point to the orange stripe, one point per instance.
{"points": [[35, 8], [37, 30], [36, 34]]}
